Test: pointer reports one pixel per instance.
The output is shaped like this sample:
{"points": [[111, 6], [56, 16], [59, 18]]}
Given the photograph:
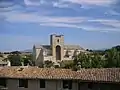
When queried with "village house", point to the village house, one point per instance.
{"points": [[34, 78], [4, 62]]}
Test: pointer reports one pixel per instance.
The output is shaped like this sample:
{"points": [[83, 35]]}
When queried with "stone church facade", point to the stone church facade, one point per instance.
{"points": [[56, 52]]}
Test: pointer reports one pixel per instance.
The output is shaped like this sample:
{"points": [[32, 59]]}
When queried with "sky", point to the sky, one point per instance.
{"points": [[92, 24]]}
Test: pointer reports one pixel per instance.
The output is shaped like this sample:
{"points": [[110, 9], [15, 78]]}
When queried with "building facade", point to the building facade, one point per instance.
{"points": [[33, 78], [4, 62], [57, 51]]}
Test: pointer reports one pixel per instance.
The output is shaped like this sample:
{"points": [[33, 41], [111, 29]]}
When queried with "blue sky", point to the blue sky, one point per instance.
{"points": [[93, 24]]}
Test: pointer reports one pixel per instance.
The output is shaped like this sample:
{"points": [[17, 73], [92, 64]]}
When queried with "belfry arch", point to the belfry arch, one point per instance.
{"points": [[58, 52]]}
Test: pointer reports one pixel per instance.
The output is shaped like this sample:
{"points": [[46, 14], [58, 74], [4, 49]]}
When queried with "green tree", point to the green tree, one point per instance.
{"points": [[112, 58], [48, 64], [96, 61], [27, 59], [66, 64], [82, 61], [15, 59], [93, 60]]}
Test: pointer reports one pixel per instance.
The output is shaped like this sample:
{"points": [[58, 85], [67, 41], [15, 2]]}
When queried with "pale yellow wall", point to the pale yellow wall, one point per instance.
{"points": [[55, 43], [13, 84], [39, 57], [49, 58], [34, 85], [37, 53]]}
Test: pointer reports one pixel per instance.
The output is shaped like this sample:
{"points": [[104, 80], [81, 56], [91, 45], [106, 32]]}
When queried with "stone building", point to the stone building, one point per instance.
{"points": [[57, 51], [4, 62], [34, 78]]}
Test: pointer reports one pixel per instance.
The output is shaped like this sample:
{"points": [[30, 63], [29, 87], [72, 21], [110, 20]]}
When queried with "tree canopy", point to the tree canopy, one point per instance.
{"points": [[103, 59]]}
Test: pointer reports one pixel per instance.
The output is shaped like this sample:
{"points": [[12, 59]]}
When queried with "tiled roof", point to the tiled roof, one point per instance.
{"points": [[69, 47], [73, 47], [43, 47], [103, 75]]}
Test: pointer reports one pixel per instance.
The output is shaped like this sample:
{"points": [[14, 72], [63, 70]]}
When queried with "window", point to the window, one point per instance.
{"points": [[90, 85], [67, 84], [58, 40], [23, 83], [42, 83], [3, 82]]}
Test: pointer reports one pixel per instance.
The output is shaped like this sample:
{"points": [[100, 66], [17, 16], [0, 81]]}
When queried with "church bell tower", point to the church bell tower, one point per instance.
{"points": [[57, 45]]}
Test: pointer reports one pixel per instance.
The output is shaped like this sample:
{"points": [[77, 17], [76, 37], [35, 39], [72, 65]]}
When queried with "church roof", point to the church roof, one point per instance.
{"points": [[42, 46], [95, 74], [68, 47], [46, 46], [73, 47]]}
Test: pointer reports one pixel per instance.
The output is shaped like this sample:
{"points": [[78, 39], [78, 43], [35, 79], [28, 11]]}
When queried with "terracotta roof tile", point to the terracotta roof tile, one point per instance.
{"points": [[105, 75]]}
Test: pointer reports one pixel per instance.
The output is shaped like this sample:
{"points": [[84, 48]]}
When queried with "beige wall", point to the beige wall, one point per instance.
{"points": [[39, 57], [49, 58], [34, 85], [13, 84], [54, 43], [72, 52]]}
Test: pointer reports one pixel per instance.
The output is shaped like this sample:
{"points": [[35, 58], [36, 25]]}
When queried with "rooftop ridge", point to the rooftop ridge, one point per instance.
{"points": [[94, 74]]}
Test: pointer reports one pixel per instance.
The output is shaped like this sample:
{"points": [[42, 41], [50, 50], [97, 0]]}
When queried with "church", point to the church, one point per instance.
{"points": [[56, 52]]}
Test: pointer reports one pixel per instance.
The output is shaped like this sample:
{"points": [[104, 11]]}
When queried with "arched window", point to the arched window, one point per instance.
{"points": [[58, 52], [58, 40]]}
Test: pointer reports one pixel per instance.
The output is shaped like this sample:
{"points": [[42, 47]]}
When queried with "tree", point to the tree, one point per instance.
{"points": [[93, 60], [112, 58], [15, 52], [96, 61], [66, 64], [27, 59], [15, 60], [48, 64], [82, 61]]}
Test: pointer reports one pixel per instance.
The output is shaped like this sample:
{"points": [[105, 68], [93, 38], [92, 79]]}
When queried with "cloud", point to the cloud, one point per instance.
{"points": [[60, 5], [66, 3], [113, 23], [112, 12], [34, 18], [116, 6], [6, 4], [91, 2], [81, 27], [60, 25], [84, 23], [33, 3]]}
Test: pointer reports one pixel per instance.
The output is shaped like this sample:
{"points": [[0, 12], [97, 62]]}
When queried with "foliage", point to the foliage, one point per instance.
{"points": [[15, 59], [66, 64], [48, 64], [98, 59], [27, 59], [112, 58], [15, 52], [88, 61]]}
